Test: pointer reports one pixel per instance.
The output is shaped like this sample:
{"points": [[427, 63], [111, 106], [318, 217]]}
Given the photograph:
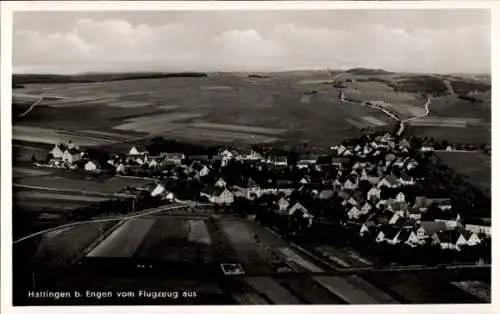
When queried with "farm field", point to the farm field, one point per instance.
{"points": [[227, 107], [424, 289], [158, 239], [476, 166], [479, 134], [273, 290], [353, 290], [110, 185], [62, 246]]}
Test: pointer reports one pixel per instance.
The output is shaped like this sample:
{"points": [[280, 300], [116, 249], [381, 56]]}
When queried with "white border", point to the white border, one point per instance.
{"points": [[6, 162]]}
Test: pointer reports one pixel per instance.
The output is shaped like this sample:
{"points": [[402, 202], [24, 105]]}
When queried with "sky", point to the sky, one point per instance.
{"points": [[432, 41]]}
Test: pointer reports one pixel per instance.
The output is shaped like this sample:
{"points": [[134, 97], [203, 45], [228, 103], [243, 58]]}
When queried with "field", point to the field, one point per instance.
{"points": [[424, 289], [158, 239], [227, 107], [476, 166], [63, 246]]}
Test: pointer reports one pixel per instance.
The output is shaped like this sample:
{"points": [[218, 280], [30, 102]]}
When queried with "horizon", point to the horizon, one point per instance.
{"points": [[437, 41]]}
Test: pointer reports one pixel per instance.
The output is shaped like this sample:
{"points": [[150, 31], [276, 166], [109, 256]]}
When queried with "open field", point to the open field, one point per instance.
{"points": [[158, 239], [353, 290], [110, 185], [27, 195], [476, 166], [61, 247], [136, 108], [478, 288], [273, 290], [479, 134], [424, 289]]}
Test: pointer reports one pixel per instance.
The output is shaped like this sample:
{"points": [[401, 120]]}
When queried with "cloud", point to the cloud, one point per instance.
{"points": [[118, 45]]}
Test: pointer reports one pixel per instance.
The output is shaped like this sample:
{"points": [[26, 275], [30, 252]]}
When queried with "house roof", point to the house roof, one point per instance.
{"points": [[431, 227], [171, 155], [399, 206], [73, 151], [95, 162], [449, 236], [391, 179], [390, 232], [404, 234], [212, 190], [61, 146], [326, 194]]}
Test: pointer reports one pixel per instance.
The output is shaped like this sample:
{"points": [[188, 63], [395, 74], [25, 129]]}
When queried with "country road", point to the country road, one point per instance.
{"points": [[82, 192], [393, 116], [35, 103]]}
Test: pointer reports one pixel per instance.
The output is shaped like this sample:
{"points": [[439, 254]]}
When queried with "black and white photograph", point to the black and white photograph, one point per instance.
{"points": [[251, 157]]}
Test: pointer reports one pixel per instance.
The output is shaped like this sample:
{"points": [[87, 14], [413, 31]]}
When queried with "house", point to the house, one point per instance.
{"points": [[373, 194], [405, 179], [58, 151], [350, 184], [472, 238], [199, 168], [389, 181], [120, 169], [414, 213], [249, 188], [354, 213], [366, 208], [220, 183], [216, 195], [451, 239], [366, 227], [411, 164], [279, 161], [297, 207], [400, 197], [153, 163], [427, 148], [388, 234], [478, 226], [158, 190], [429, 229], [408, 237], [305, 180], [341, 149], [134, 151], [91, 165], [394, 219], [71, 155], [172, 158], [283, 204]]}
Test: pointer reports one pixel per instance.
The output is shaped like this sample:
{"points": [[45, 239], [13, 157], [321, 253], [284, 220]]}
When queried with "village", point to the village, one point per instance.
{"points": [[376, 189]]}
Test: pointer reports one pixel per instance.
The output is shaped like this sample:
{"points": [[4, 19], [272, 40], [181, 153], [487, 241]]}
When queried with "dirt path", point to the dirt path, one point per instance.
{"points": [[35, 103]]}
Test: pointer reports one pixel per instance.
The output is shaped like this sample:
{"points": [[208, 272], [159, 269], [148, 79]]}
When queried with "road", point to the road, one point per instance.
{"points": [[33, 105], [121, 217], [393, 116]]}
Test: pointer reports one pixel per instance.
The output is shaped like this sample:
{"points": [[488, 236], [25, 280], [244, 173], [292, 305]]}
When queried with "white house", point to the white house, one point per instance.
{"points": [[354, 213], [135, 152], [350, 184], [400, 197], [120, 169], [366, 208], [389, 235], [283, 204], [71, 155], [477, 228], [373, 194], [217, 195], [250, 189], [473, 239], [389, 181], [91, 166], [298, 207], [451, 239], [58, 151], [158, 190]]}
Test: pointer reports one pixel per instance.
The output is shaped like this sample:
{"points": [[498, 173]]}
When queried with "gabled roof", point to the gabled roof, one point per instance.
{"points": [[399, 206], [61, 147], [404, 234], [391, 179], [390, 232], [449, 236], [213, 190], [73, 151]]}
